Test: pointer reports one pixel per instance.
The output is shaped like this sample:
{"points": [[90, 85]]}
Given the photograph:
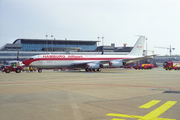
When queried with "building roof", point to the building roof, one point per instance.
{"points": [[11, 47], [55, 40]]}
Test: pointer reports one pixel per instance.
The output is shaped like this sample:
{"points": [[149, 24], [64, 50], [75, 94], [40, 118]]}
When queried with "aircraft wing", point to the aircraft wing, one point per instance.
{"points": [[137, 59], [78, 65], [83, 64]]}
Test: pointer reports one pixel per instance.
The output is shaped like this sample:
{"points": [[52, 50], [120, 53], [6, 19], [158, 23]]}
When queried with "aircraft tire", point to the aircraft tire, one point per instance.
{"points": [[99, 69], [18, 70], [7, 70], [87, 70], [39, 70]]}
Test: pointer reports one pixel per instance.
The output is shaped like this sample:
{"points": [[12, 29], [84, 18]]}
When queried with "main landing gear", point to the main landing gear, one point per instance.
{"points": [[39, 70], [93, 70]]}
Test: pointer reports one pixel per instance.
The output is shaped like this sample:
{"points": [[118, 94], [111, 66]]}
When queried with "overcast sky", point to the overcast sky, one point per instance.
{"points": [[118, 21]]}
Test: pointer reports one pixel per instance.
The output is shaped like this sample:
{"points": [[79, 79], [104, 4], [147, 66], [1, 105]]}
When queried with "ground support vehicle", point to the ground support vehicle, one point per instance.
{"points": [[9, 69], [171, 65], [143, 66]]}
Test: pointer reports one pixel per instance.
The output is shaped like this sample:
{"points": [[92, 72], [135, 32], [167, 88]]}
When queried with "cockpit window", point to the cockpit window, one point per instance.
{"points": [[31, 58]]}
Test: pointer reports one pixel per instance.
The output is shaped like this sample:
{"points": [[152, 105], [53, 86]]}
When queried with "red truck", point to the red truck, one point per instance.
{"points": [[143, 66], [171, 65], [13, 67]]}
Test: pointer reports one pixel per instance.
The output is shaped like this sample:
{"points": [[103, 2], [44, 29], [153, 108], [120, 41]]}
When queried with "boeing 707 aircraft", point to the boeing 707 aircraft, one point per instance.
{"points": [[87, 62]]}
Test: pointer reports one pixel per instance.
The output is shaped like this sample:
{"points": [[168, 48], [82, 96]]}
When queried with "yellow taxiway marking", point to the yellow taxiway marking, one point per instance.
{"points": [[123, 115], [150, 104], [118, 119], [153, 115], [158, 111]]}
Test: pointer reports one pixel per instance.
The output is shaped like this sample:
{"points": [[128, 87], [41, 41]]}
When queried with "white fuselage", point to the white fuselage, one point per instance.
{"points": [[60, 61]]}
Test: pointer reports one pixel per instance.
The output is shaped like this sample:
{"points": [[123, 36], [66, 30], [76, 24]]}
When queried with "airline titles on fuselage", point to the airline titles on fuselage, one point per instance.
{"points": [[62, 56]]}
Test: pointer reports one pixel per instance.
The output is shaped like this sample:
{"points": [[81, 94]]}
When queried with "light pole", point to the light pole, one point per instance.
{"points": [[146, 51], [46, 41], [98, 45], [52, 42], [103, 44], [103, 41], [146, 46]]}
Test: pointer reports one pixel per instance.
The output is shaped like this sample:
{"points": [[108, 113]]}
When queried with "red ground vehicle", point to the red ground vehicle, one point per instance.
{"points": [[143, 66], [12, 67], [172, 65]]}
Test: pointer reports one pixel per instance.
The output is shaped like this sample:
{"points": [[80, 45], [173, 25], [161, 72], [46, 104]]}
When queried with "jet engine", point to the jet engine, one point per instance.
{"points": [[116, 63], [93, 66]]}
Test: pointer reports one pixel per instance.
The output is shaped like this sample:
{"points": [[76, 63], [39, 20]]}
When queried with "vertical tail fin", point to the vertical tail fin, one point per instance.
{"points": [[138, 47]]}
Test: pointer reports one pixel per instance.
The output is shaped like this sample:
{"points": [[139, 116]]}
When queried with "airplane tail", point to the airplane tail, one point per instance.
{"points": [[138, 47]]}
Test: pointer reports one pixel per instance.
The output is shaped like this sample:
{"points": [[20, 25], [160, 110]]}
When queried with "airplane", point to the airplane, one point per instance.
{"points": [[88, 62]]}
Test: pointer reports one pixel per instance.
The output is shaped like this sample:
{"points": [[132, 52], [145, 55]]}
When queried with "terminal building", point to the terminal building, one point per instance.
{"points": [[50, 45]]}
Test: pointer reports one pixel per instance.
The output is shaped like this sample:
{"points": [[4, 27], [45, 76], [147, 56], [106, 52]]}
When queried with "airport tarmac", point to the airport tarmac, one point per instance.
{"points": [[112, 94]]}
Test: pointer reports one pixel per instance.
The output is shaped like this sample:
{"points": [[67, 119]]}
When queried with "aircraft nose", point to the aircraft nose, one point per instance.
{"points": [[26, 62]]}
